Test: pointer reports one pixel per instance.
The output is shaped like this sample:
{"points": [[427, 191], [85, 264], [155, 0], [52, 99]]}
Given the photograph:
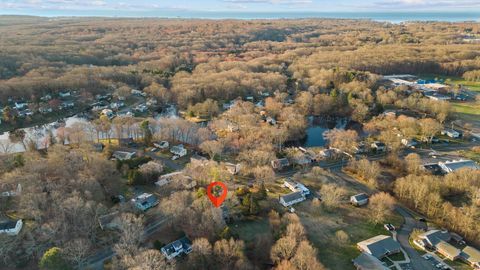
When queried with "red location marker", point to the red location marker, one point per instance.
{"points": [[217, 200]]}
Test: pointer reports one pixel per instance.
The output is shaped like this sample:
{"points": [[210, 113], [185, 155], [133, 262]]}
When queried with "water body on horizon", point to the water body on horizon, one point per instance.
{"points": [[394, 17]]}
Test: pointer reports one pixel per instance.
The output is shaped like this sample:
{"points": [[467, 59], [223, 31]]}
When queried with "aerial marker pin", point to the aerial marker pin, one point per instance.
{"points": [[217, 200]]}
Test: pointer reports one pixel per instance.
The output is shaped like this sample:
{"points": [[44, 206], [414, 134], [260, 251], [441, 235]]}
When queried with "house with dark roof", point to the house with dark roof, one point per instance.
{"points": [[145, 201], [280, 164], [176, 248], [366, 261], [380, 246], [11, 227], [359, 199], [122, 155], [451, 166], [432, 238], [471, 256], [292, 198]]}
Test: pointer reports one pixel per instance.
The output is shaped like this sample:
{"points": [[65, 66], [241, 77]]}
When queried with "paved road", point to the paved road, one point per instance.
{"points": [[417, 262], [97, 260]]}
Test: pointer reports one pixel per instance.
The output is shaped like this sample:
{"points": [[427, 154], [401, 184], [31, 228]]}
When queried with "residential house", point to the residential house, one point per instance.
{"points": [[67, 105], [109, 221], [117, 105], [20, 105], [380, 246], [447, 250], [11, 227], [379, 146], [432, 238], [138, 93], [141, 108], [64, 94], [366, 261], [178, 150], [296, 186], [292, 198], [452, 133], [359, 199], [162, 145], [471, 256], [451, 166], [45, 110], [233, 168], [176, 248], [410, 143], [280, 164], [46, 98], [126, 142], [167, 178], [145, 201], [122, 155]]}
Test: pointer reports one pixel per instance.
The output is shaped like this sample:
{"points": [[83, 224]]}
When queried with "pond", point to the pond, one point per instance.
{"points": [[318, 127]]}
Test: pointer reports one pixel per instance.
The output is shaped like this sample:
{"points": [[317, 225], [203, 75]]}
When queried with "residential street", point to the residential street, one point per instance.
{"points": [[418, 263]]}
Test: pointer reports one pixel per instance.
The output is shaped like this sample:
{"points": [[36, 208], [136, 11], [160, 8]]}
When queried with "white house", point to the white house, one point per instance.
{"points": [[121, 155], [175, 249], [19, 105], [292, 198], [11, 227], [454, 165], [295, 186], [64, 94], [178, 150], [452, 133], [359, 199]]}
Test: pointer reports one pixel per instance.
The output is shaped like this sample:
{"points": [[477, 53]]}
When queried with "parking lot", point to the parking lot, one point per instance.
{"points": [[436, 263]]}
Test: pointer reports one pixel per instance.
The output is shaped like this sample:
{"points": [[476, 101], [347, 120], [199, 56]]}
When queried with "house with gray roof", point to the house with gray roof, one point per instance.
{"points": [[292, 198], [379, 246], [455, 165], [145, 201], [359, 199], [176, 248], [366, 261], [433, 237]]}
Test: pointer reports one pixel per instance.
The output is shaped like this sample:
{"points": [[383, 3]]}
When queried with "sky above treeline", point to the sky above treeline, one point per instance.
{"points": [[84, 6]]}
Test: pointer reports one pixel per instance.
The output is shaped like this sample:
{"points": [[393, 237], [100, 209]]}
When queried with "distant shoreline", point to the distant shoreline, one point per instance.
{"points": [[393, 17]]}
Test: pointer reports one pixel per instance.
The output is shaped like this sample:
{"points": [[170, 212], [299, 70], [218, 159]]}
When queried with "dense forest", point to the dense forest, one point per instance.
{"points": [[274, 76], [190, 60]]}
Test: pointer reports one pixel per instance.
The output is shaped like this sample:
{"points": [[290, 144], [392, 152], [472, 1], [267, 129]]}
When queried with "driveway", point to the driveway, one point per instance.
{"points": [[417, 262]]}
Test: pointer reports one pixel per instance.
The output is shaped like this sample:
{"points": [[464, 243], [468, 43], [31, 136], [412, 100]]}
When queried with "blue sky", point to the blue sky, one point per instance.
{"points": [[73, 7]]}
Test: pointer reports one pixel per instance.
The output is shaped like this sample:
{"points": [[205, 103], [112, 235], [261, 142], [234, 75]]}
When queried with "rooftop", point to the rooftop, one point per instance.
{"points": [[471, 254], [367, 261], [380, 245], [292, 196]]}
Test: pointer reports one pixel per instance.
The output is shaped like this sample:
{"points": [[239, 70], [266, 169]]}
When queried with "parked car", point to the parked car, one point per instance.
{"points": [[389, 227], [427, 256]]}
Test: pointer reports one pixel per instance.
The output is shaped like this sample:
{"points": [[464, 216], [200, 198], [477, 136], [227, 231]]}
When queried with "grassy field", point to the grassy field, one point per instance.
{"points": [[471, 108], [453, 80]]}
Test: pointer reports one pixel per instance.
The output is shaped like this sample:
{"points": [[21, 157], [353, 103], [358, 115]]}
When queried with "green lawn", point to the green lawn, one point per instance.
{"points": [[474, 86], [471, 155], [249, 229], [466, 108]]}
